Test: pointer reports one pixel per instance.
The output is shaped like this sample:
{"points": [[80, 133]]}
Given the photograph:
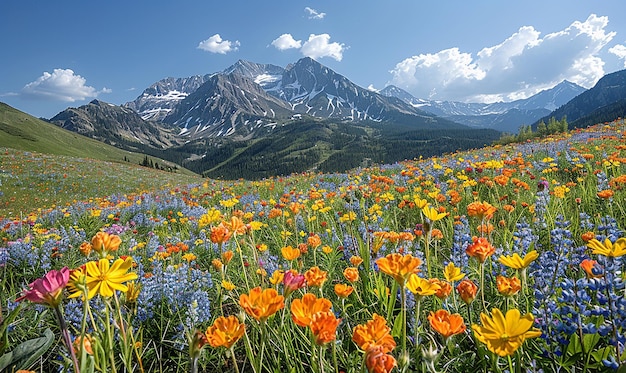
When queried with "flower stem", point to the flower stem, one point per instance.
{"points": [[66, 337]]}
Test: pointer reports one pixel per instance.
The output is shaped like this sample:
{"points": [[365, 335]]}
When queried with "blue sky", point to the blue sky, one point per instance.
{"points": [[59, 54]]}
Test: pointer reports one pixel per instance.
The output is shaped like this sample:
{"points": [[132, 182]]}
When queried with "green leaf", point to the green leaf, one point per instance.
{"points": [[5, 360], [397, 326], [27, 352]]}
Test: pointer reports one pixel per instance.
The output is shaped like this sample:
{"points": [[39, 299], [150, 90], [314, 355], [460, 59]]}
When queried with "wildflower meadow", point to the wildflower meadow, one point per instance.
{"points": [[509, 258]]}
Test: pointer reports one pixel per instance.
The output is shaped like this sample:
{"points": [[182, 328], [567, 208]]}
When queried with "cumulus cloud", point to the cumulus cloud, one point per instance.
{"points": [[61, 85], [620, 51], [314, 14], [215, 44], [319, 46], [520, 66], [286, 41]]}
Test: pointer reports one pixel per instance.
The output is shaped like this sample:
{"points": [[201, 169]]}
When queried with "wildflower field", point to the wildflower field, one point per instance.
{"points": [[503, 259]]}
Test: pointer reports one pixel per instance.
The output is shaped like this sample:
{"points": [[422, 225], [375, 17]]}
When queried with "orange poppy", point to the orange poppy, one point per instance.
{"points": [[290, 253], [398, 266], [377, 361], [220, 234], [351, 274], [324, 327], [343, 291], [225, 331], [446, 324], [481, 210], [315, 277], [480, 249], [467, 289], [302, 310], [261, 304], [508, 286], [374, 333], [103, 243]]}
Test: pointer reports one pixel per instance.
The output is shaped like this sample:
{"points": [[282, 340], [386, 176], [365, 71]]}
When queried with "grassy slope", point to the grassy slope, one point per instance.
{"points": [[42, 165], [21, 131]]}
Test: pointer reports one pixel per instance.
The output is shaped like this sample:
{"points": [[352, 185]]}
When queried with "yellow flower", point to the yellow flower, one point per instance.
{"points": [[502, 334], [433, 214], [608, 249], [452, 273], [516, 262], [228, 285], [104, 279], [420, 286]]}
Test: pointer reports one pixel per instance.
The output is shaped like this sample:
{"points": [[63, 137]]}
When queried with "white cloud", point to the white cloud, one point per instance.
{"points": [[62, 85], [215, 44], [318, 46], [286, 41], [620, 51], [520, 66], [314, 14]]}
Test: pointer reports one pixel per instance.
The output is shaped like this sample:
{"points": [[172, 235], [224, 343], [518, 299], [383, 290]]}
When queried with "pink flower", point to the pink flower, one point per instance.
{"points": [[293, 281], [48, 289]]}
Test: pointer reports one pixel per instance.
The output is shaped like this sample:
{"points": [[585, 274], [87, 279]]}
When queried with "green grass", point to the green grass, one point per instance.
{"points": [[42, 165]]}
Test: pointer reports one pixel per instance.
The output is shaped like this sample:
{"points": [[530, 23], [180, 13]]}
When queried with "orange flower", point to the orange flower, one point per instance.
{"points": [[480, 249], [481, 210], [356, 260], [588, 236], [508, 286], [592, 268], [444, 288], [351, 274], [85, 248], [374, 333], [315, 277], [302, 310], [217, 264], [399, 267], [343, 291], [467, 290], [377, 361], [86, 343], [289, 253], [227, 256], [446, 324], [261, 304], [605, 194], [220, 234], [236, 225], [314, 241], [103, 243], [324, 327], [225, 331]]}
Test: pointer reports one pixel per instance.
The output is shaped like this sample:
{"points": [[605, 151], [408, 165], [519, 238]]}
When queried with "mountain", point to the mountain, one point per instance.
{"points": [[610, 89], [502, 116], [156, 101], [115, 125], [268, 76], [314, 89], [227, 105]]}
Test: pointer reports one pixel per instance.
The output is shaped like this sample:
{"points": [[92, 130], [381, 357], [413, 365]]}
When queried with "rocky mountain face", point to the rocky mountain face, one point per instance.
{"points": [[227, 105], [114, 125], [502, 116], [156, 102]]}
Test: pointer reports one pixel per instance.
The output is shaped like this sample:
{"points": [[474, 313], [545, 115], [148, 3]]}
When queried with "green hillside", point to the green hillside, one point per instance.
{"points": [[42, 166], [21, 131]]}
